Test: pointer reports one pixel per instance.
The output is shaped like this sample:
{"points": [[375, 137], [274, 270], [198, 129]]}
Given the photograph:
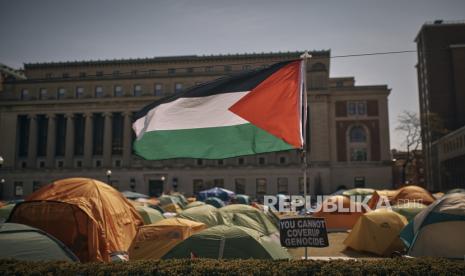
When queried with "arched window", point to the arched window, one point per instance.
{"points": [[357, 134], [357, 144]]}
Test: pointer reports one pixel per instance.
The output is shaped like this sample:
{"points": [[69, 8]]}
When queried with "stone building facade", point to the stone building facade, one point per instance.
{"points": [[70, 119]]}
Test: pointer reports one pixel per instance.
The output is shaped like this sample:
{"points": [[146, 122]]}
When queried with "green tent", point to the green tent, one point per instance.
{"points": [[456, 190], [195, 204], [149, 215], [182, 199], [409, 209], [5, 212], [214, 201], [243, 199], [206, 214], [22, 242], [247, 216], [168, 199], [228, 242]]}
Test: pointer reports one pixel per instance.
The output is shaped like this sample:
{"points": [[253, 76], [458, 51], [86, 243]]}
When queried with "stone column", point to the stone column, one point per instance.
{"points": [[88, 135], [127, 131], [51, 135], [107, 139], [32, 147], [69, 151]]}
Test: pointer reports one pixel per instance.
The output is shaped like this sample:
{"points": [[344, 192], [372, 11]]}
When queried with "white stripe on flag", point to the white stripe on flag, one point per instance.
{"points": [[190, 113]]}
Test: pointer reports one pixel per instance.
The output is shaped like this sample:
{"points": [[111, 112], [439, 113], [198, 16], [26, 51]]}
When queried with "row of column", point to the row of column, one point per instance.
{"points": [[88, 140]]}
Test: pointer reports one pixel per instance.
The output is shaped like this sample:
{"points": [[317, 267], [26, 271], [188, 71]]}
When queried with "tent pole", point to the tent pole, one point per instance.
{"points": [[305, 56]]}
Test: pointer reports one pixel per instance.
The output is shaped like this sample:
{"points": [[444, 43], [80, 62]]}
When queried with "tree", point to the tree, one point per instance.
{"points": [[409, 125]]}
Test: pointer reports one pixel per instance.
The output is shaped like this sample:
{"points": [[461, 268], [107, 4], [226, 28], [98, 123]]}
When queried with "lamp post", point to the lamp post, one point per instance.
{"points": [[1, 161], [108, 173]]}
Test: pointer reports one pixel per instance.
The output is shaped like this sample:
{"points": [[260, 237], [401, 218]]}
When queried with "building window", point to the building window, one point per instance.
{"points": [[283, 187], [158, 90], [117, 134], [152, 71], [24, 94], [118, 91], [261, 160], [208, 68], [79, 92], [358, 144], [197, 185], [61, 93], [98, 129], [98, 91], [99, 73], [137, 90], [82, 74], [171, 71], [42, 164], [241, 161], [246, 67], [220, 162], [79, 131], [60, 164], [199, 162], [117, 163], [43, 94], [356, 108], [227, 68], [358, 154], [177, 87], [36, 185], [239, 185], [359, 182], [65, 75], [98, 163], [218, 182], [79, 164], [282, 160], [116, 73], [48, 75], [19, 188], [42, 128], [134, 72], [60, 134], [357, 134], [260, 188], [190, 70]]}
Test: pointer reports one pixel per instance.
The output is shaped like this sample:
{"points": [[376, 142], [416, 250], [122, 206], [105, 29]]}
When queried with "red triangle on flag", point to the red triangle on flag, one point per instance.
{"points": [[274, 104]]}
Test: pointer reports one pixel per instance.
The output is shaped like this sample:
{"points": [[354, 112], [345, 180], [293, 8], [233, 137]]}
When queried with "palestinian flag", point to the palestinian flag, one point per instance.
{"points": [[253, 112]]}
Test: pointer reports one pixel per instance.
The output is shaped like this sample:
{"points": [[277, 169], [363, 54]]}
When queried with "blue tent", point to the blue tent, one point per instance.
{"points": [[214, 201], [220, 193]]}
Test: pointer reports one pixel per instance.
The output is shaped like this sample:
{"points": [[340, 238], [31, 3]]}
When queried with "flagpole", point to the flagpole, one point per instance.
{"points": [[305, 56]]}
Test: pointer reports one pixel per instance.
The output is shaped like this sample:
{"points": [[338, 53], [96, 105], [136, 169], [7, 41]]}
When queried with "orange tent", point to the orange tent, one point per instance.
{"points": [[412, 193], [90, 217], [153, 241], [336, 211]]}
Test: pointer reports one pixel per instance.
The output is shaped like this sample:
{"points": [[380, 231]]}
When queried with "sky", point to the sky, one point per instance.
{"points": [[68, 30]]}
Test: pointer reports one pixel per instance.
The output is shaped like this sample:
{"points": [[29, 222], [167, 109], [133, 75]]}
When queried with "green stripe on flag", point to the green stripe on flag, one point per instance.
{"points": [[208, 143]]}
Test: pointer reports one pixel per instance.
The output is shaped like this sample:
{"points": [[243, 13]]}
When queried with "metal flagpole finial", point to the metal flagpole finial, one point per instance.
{"points": [[305, 55]]}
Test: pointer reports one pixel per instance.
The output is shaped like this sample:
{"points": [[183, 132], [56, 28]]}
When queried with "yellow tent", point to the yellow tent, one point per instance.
{"points": [[377, 232], [90, 217], [153, 241]]}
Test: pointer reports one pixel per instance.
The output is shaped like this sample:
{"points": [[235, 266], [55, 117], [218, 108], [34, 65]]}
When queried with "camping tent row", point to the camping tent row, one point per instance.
{"points": [[94, 220]]}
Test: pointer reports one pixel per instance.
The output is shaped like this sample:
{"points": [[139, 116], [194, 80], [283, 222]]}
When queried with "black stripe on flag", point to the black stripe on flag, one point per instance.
{"points": [[240, 82]]}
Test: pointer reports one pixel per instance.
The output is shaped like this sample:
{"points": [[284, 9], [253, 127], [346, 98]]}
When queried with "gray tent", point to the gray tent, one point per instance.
{"points": [[22, 242]]}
